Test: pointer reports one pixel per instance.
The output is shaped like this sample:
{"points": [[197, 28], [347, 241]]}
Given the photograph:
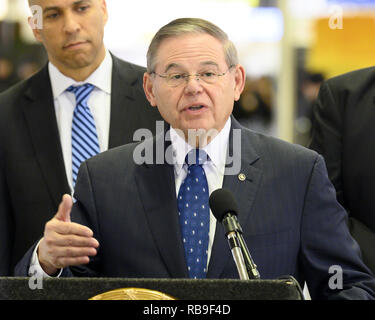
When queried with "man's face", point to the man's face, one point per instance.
{"points": [[194, 104], [73, 31]]}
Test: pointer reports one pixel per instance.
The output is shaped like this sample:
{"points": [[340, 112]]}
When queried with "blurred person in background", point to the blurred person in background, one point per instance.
{"points": [[7, 74], [307, 95], [47, 121], [254, 109], [19, 59], [343, 132]]}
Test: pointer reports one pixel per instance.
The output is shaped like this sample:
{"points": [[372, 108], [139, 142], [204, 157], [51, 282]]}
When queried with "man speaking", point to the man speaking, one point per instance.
{"points": [[152, 219]]}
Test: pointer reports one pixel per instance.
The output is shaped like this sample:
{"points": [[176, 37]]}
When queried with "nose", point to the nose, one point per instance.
{"points": [[193, 85], [71, 24]]}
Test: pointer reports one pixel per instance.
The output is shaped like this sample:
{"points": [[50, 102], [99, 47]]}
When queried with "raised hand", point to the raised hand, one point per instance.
{"points": [[65, 243]]}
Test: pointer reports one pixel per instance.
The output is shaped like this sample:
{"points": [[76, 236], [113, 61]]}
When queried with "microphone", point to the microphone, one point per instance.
{"points": [[224, 208]]}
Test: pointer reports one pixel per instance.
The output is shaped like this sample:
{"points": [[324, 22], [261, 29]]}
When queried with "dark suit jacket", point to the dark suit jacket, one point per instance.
{"points": [[343, 132], [287, 208], [32, 172]]}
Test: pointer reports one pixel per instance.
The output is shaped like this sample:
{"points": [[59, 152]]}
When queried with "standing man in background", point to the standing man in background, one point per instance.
{"points": [[343, 132], [82, 102]]}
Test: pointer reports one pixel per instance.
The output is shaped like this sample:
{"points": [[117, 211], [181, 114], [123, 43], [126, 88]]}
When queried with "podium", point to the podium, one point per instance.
{"points": [[180, 289]]}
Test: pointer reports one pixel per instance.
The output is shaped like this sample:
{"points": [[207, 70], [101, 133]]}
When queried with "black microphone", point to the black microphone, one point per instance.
{"points": [[224, 208]]}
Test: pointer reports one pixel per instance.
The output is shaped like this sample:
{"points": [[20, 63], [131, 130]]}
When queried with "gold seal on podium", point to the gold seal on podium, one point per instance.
{"points": [[132, 294]]}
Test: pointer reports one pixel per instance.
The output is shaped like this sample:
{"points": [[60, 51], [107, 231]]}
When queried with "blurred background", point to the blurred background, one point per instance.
{"points": [[288, 47]]}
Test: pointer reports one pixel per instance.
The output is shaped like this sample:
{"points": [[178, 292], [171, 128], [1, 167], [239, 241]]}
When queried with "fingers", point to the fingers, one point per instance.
{"points": [[64, 262], [59, 251], [74, 252], [63, 213], [62, 240], [62, 256], [58, 245], [65, 243], [72, 228]]}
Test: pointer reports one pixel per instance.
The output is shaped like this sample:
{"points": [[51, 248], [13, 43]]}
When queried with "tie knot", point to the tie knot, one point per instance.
{"points": [[196, 157], [82, 92]]}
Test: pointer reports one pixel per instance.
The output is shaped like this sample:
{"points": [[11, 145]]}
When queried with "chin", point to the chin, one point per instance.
{"points": [[79, 63], [79, 59], [199, 124]]}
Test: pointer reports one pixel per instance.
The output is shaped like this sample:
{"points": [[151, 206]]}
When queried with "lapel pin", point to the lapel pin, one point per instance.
{"points": [[242, 177]]}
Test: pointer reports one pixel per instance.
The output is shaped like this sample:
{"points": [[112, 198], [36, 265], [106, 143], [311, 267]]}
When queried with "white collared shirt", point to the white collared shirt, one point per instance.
{"points": [[99, 103], [214, 168]]}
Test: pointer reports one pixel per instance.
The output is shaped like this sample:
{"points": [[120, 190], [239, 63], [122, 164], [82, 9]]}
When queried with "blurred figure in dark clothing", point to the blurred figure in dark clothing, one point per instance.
{"points": [[307, 95], [254, 109], [8, 76]]}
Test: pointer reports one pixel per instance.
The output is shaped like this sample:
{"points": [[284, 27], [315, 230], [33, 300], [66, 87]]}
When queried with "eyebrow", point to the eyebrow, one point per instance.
{"points": [[210, 63], [58, 8], [171, 65], [50, 9], [204, 63]]}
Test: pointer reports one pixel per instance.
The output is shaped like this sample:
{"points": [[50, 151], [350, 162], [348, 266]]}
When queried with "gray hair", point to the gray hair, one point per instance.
{"points": [[190, 25]]}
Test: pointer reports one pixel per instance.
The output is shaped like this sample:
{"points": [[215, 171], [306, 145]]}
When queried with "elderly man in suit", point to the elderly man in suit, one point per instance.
{"points": [[38, 158], [152, 219]]}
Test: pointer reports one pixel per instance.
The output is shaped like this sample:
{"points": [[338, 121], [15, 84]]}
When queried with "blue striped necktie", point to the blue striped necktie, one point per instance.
{"points": [[85, 142], [194, 214]]}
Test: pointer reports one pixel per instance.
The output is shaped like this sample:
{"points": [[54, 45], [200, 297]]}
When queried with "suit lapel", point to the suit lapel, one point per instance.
{"points": [[244, 187], [40, 117], [160, 206]]}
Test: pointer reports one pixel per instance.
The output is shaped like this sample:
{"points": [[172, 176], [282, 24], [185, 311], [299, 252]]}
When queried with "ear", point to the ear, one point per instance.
{"points": [[105, 11], [148, 87], [240, 78]]}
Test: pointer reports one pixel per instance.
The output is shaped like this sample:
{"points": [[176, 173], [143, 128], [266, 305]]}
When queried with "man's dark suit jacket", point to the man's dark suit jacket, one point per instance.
{"points": [[343, 132], [292, 222], [32, 172]]}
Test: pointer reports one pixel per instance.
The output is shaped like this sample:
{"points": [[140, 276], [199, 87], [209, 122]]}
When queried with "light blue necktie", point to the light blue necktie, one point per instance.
{"points": [[194, 214], [85, 142]]}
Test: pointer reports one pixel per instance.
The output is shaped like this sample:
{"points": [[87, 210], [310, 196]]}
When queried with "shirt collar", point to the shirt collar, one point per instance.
{"points": [[216, 149], [99, 78]]}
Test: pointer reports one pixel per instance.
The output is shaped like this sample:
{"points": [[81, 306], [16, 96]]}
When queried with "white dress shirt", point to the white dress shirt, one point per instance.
{"points": [[214, 168], [99, 103]]}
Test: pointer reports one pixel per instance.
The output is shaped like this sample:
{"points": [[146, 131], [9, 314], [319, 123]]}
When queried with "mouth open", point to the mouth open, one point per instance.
{"points": [[195, 108]]}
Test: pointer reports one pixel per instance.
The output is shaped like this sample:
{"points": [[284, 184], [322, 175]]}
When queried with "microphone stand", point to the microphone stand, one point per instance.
{"points": [[250, 265], [238, 258], [239, 249]]}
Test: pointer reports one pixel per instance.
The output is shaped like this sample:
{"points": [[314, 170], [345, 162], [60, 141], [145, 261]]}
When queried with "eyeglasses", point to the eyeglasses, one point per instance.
{"points": [[177, 79]]}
